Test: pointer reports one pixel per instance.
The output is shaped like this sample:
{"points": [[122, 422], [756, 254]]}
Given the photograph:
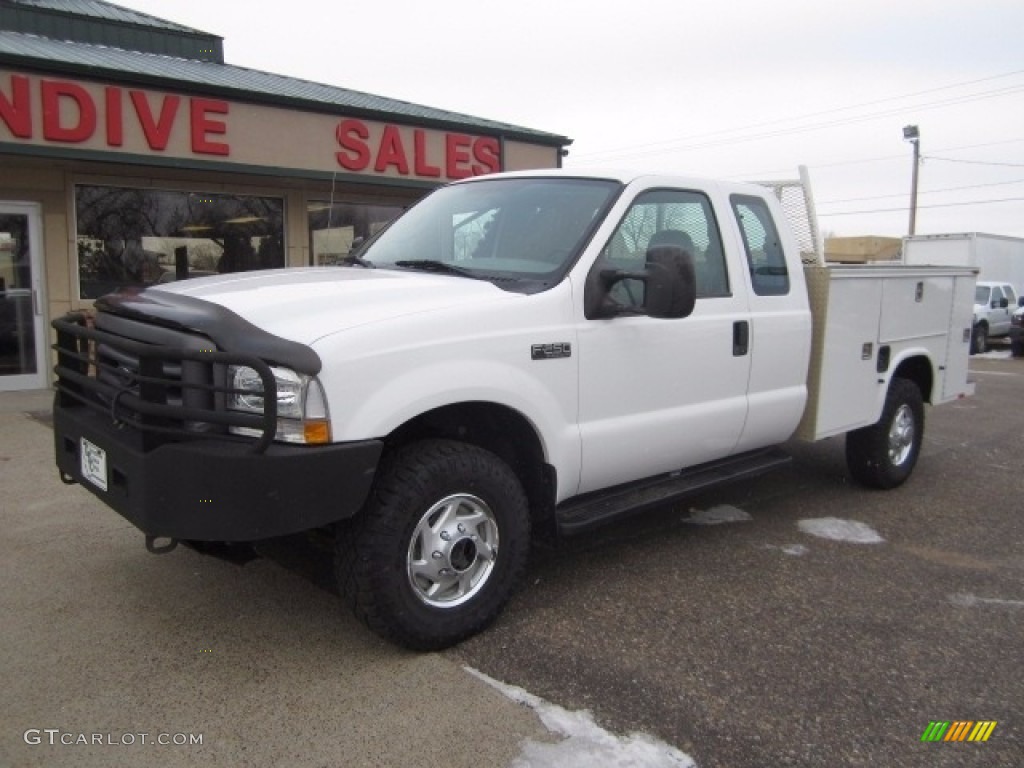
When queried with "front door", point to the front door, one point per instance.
{"points": [[22, 326], [657, 395]]}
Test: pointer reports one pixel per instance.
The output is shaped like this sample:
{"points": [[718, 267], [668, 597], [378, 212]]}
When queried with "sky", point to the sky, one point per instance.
{"points": [[734, 89]]}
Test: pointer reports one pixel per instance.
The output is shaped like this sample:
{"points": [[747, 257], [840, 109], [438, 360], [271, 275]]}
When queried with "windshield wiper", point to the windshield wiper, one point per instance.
{"points": [[348, 261], [432, 265]]}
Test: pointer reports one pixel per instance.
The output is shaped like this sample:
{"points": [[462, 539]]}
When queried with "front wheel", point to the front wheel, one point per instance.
{"points": [[1017, 347], [440, 546], [884, 454]]}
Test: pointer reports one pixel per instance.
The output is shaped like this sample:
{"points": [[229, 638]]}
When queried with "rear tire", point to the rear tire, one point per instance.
{"points": [[884, 454], [439, 548], [979, 339]]}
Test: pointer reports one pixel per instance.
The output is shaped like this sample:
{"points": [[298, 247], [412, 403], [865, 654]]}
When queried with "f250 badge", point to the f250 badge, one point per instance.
{"points": [[551, 351]]}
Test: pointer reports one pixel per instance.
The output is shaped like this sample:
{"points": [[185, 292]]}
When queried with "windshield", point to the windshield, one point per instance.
{"points": [[527, 230], [981, 293]]}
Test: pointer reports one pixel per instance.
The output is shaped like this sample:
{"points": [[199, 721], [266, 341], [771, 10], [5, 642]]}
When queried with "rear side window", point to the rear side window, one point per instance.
{"points": [[765, 257]]}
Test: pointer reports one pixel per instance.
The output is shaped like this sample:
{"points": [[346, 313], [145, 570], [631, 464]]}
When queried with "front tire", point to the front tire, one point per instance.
{"points": [[440, 546], [884, 454], [1017, 347]]}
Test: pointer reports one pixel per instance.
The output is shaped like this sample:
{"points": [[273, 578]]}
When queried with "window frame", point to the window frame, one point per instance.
{"points": [[714, 235], [758, 204]]}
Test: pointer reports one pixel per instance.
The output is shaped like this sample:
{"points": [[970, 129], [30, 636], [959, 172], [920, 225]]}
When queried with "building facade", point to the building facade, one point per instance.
{"points": [[131, 154]]}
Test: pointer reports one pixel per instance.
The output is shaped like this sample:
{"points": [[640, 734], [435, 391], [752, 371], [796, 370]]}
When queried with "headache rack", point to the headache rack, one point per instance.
{"points": [[168, 384]]}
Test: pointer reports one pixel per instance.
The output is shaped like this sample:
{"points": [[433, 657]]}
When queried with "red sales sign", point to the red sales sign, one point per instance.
{"points": [[44, 111], [68, 113]]}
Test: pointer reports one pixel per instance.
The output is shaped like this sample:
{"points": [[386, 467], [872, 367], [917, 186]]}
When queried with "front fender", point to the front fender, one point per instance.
{"points": [[547, 400]]}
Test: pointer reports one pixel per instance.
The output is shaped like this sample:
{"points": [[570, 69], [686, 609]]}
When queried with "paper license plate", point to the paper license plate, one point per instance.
{"points": [[94, 464]]}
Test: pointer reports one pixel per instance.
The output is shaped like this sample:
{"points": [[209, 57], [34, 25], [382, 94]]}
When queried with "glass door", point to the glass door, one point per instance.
{"points": [[22, 327]]}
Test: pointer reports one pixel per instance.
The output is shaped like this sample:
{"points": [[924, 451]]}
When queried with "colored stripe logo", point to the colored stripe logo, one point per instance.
{"points": [[959, 730]]}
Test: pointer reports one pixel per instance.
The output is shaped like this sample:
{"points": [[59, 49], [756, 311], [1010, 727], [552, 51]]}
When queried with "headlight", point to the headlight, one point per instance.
{"points": [[301, 406]]}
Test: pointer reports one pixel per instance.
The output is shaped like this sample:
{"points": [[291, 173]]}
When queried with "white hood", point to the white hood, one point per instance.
{"points": [[308, 304]]}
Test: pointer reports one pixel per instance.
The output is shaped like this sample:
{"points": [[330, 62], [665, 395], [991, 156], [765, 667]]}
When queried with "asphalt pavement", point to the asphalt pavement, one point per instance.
{"points": [[794, 620], [728, 630], [111, 656]]}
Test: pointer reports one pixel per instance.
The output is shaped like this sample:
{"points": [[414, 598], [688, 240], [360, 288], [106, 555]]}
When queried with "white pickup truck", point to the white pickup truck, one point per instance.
{"points": [[994, 305], [519, 355]]}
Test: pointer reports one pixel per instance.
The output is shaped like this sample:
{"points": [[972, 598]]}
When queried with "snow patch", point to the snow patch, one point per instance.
{"points": [[585, 743], [995, 354], [717, 515], [836, 529], [796, 550], [968, 600]]}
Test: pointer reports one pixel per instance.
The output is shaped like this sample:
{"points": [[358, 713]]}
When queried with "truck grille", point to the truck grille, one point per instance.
{"points": [[167, 384]]}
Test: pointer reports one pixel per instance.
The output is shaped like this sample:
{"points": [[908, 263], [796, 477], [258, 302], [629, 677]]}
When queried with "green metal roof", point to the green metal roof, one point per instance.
{"points": [[100, 23], [98, 9], [239, 83]]}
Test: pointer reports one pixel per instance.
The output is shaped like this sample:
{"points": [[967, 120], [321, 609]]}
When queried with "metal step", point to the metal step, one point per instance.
{"points": [[599, 507]]}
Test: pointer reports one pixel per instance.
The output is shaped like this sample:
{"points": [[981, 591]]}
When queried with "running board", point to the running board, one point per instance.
{"points": [[600, 507]]}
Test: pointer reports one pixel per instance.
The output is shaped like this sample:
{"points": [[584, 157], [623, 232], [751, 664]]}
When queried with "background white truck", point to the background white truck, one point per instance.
{"points": [[1000, 264], [518, 355]]}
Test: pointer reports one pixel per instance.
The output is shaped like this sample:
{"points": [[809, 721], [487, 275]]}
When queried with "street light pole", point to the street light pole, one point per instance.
{"points": [[913, 135]]}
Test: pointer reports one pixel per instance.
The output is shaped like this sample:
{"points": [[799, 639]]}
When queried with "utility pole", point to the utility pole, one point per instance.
{"points": [[913, 135]]}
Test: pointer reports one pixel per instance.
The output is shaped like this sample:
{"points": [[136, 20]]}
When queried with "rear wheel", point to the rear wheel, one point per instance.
{"points": [[440, 546], [884, 454], [979, 339]]}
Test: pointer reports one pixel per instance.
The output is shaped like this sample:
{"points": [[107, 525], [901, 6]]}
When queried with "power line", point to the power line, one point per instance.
{"points": [[923, 192], [973, 162], [863, 160], [816, 126], [934, 205], [635, 150]]}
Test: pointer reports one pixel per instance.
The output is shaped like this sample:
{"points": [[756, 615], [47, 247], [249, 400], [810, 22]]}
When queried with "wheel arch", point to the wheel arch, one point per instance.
{"points": [[919, 370], [504, 432]]}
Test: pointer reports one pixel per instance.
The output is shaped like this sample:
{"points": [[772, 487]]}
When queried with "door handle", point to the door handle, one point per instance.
{"points": [[740, 338]]}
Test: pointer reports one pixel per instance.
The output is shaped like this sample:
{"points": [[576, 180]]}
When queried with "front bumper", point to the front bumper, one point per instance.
{"points": [[216, 490]]}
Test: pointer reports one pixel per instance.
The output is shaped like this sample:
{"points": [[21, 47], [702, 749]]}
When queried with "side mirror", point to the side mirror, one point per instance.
{"points": [[671, 282], [1020, 301], [1004, 303], [670, 287]]}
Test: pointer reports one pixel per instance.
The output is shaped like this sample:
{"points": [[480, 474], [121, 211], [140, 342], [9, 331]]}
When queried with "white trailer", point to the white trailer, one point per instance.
{"points": [[997, 258]]}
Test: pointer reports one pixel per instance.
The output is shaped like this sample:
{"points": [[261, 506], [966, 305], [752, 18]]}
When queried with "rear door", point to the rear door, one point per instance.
{"points": [[780, 328], [657, 395]]}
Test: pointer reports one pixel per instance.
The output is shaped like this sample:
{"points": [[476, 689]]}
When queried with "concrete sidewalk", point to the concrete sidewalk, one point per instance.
{"points": [[103, 642]]}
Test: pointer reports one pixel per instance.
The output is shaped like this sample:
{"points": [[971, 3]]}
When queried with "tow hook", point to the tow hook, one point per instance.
{"points": [[161, 549], [67, 479]]}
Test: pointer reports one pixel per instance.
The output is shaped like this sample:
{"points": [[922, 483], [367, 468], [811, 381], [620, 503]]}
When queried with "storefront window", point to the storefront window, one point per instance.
{"points": [[335, 229], [139, 237]]}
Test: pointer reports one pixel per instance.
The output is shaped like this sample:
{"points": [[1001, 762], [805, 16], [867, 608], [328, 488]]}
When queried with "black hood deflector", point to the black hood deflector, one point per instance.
{"points": [[229, 331]]}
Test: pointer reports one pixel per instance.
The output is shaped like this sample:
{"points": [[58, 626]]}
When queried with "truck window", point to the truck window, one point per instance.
{"points": [[768, 272], [523, 234], [668, 217]]}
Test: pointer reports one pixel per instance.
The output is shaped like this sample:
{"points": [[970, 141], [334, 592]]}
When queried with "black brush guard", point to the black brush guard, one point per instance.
{"points": [[174, 468]]}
